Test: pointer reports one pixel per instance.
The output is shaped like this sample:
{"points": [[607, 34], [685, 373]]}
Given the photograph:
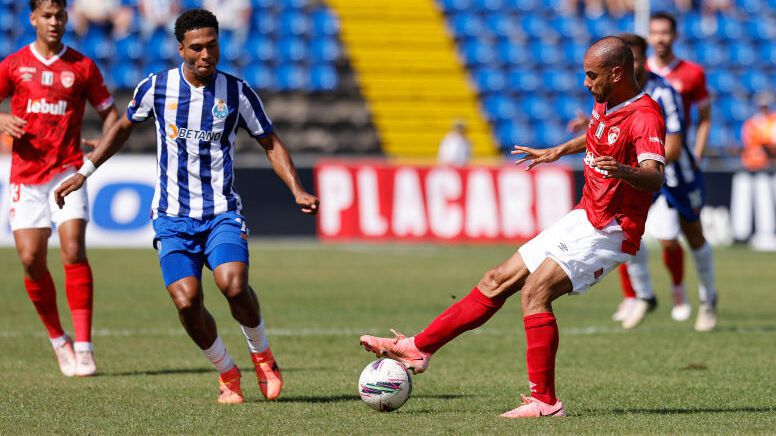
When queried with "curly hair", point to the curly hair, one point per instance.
{"points": [[34, 4], [194, 19]]}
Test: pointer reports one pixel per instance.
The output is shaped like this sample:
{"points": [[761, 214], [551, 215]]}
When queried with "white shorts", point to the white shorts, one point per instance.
{"points": [[585, 253], [662, 221], [33, 206]]}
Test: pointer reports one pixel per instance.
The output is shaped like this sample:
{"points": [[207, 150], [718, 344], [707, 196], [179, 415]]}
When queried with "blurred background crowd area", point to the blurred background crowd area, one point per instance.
{"points": [[358, 77]]}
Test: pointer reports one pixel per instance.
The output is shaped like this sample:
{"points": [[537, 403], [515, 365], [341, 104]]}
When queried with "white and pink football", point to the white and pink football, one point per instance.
{"points": [[385, 385]]}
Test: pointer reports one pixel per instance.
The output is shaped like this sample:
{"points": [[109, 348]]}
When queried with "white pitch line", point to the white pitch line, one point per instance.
{"points": [[312, 331]]}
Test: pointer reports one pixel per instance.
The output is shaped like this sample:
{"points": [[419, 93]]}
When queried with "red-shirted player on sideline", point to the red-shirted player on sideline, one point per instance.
{"points": [[623, 167], [49, 84]]}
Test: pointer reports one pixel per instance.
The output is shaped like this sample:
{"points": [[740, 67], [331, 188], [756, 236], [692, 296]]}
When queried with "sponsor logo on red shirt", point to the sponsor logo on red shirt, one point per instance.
{"points": [[41, 106]]}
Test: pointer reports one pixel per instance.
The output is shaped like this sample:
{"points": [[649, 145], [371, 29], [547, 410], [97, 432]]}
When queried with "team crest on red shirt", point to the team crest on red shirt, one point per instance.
{"points": [[67, 78], [614, 133]]}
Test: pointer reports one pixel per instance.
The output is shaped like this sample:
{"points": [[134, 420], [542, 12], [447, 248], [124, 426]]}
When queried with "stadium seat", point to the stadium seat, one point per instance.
{"points": [[763, 29], [161, 47], [292, 49], [292, 77], [722, 81], [514, 54], [465, 25], [323, 78], [124, 75], [560, 81], [503, 25], [489, 80], [730, 28], [294, 23], [130, 47], [536, 27], [602, 26], [264, 23], [452, 6], [538, 107], [755, 80], [710, 53], [500, 108], [8, 19], [477, 53], [574, 52], [262, 47], [515, 133], [325, 50], [742, 54], [293, 4], [551, 133], [324, 23], [569, 27], [259, 76], [524, 5], [6, 46], [524, 81], [546, 53], [489, 5]]}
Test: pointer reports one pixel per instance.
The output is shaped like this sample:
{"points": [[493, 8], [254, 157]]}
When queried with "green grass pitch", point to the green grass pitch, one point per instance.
{"points": [[317, 299]]}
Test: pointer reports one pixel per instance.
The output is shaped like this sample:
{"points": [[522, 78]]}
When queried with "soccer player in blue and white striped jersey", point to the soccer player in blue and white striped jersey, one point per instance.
{"points": [[676, 208], [196, 208]]}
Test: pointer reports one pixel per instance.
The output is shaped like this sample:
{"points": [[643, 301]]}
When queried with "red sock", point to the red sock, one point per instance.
{"points": [[674, 261], [625, 283], [541, 334], [469, 313], [80, 291], [44, 297]]}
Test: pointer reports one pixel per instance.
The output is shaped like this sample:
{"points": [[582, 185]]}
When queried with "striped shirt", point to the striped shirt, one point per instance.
{"points": [[682, 171], [196, 129]]}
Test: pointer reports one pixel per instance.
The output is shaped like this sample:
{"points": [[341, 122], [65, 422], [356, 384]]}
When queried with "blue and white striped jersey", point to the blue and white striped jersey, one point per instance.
{"points": [[681, 172], [196, 129]]}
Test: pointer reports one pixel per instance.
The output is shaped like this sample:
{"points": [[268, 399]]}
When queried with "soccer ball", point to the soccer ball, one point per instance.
{"points": [[385, 385]]}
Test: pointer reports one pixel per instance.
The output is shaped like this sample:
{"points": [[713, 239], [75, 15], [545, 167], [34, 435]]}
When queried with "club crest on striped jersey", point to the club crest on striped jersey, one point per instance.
{"points": [[220, 110]]}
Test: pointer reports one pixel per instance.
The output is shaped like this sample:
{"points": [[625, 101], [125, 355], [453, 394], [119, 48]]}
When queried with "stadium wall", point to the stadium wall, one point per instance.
{"points": [[741, 206]]}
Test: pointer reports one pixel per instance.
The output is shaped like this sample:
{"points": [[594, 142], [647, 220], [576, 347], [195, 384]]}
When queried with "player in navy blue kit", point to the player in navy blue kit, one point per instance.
{"points": [[196, 208]]}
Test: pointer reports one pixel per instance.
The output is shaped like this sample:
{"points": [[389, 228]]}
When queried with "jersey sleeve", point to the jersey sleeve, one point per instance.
{"points": [[96, 91], [253, 118], [6, 84], [649, 135], [142, 102], [700, 93]]}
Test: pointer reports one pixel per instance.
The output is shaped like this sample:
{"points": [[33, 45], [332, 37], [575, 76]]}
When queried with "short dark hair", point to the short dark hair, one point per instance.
{"points": [[34, 4], [194, 19], [664, 16], [634, 40]]}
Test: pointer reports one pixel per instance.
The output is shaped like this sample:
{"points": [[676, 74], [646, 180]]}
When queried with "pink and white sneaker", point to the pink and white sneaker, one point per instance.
{"points": [[66, 358], [533, 408], [400, 348]]}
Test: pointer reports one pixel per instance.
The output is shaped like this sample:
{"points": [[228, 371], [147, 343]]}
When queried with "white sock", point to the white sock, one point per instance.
{"points": [[704, 264], [58, 342], [257, 340], [218, 355], [638, 271], [82, 346]]}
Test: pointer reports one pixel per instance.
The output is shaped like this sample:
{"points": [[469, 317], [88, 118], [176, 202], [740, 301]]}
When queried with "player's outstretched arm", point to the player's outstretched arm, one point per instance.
{"points": [[285, 169], [109, 144], [648, 176], [536, 156]]}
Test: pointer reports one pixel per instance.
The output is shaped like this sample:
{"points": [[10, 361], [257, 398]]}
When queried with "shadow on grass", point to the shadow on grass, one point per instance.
{"points": [[173, 371], [344, 398]]}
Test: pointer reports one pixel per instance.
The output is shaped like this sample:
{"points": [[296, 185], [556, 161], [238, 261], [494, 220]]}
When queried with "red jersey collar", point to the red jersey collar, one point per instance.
{"points": [[662, 71], [43, 60], [623, 104]]}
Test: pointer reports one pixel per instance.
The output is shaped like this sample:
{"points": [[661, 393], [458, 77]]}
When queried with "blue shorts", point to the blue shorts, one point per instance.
{"points": [[185, 245], [687, 198]]}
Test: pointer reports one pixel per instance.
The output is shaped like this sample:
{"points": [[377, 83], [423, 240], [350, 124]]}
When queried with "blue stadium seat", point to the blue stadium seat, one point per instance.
{"points": [[763, 29], [293, 4], [294, 23], [259, 76], [730, 28], [560, 81], [569, 27], [523, 5], [161, 47], [477, 53], [291, 77], [129, 48], [323, 78], [262, 4], [325, 50], [536, 27], [6, 47], [156, 67], [124, 74], [602, 26], [720, 136], [722, 81], [262, 47], [524, 81], [489, 5], [751, 7], [324, 23], [503, 25], [500, 107], [466, 25], [515, 133], [742, 54], [567, 107], [547, 53], [574, 52], [292, 49], [489, 80], [551, 133], [514, 53], [233, 48], [451, 6], [231, 67], [191, 4], [8, 19], [264, 23], [711, 53], [755, 80], [538, 107]]}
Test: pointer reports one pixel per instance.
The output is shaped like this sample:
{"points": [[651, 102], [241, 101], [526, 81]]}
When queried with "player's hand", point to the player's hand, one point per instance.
{"points": [[90, 143], [578, 123], [72, 184], [308, 203], [609, 167], [12, 125], [535, 156]]}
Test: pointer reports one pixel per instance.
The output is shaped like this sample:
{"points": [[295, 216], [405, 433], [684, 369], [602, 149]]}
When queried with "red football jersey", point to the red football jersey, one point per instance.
{"points": [[688, 79], [50, 94], [630, 132]]}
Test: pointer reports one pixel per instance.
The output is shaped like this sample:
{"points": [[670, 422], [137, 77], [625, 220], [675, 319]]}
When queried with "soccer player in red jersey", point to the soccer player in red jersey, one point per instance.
{"points": [[49, 84], [623, 166], [689, 80]]}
